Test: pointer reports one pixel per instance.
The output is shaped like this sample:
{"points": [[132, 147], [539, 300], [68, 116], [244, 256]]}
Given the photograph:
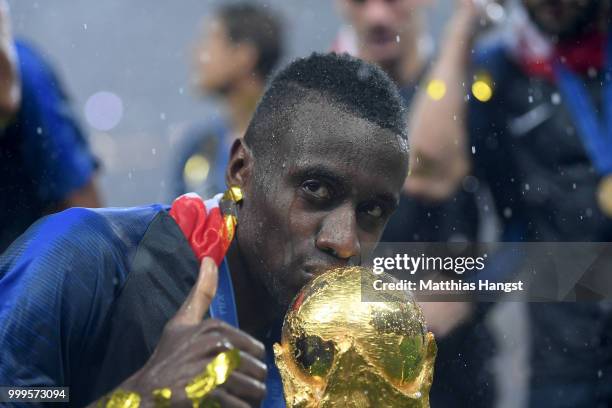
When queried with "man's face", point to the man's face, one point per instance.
{"points": [[216, 59], [378, 23], [322, 201], [562, 18]]}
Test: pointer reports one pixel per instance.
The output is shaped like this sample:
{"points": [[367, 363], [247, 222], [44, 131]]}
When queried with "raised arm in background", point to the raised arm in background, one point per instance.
{"points": [[438, 138]]}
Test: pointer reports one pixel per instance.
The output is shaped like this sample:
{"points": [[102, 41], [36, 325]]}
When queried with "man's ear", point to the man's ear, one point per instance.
{"points": [[240, 166]]}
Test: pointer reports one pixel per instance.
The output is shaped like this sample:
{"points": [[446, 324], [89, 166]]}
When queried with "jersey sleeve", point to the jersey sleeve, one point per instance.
{"points": [[54, 146], [57, 282]]}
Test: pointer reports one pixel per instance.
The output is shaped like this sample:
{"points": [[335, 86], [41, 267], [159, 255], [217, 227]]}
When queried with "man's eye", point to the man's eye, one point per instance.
{"points": [[317, 189], [373, 210]]}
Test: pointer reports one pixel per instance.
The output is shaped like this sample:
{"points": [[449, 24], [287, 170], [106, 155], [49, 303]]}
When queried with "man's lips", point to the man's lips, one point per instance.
{"points": [[311, 271], [381, 37]]}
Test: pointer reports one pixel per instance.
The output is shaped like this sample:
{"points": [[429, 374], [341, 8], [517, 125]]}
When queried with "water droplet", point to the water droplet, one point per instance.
{"points": [[473, 149], [495, 12], [507, 212], [103, 110], [84, 26], [397, 38], [39, 130], [555, 98], [363, 73]]}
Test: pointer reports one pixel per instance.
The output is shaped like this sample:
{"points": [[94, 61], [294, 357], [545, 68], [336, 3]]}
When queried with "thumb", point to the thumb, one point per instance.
{"points": [[196, 305]]}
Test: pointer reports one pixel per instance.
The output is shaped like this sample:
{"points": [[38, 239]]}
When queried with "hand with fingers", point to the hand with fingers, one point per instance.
{"points": [[184, 368]]}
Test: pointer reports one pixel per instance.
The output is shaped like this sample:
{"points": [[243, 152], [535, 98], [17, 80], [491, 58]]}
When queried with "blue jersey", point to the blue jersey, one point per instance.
{"points": [[85, 295], [43, 154]]}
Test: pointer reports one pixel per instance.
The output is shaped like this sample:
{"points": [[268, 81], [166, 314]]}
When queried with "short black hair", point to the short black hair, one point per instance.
{"points": [[349, 83], [259, 26]]}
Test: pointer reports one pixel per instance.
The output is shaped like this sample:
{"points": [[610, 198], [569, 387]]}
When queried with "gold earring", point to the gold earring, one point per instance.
{"points": [[234, 194]]}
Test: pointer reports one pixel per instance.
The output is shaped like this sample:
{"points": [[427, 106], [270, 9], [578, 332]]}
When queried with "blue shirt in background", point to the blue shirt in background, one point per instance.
{"points": [[44, 156]]}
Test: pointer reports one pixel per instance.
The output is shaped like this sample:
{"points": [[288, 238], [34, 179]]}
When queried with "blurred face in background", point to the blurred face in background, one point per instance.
{"points": [[378, 23], [564, 18], [218, 61]]}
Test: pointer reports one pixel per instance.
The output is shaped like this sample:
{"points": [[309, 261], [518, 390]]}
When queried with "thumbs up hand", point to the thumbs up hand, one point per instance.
{"points": [[189, 344]]}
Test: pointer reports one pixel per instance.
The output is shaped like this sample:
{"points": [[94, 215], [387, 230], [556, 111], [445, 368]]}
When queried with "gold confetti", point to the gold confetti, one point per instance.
{"points": [[161, 397], [123, 399], [482, 88], [233, 194], [604, 195], [436, 89], [215, 373], [230, 226], [196, 170]]}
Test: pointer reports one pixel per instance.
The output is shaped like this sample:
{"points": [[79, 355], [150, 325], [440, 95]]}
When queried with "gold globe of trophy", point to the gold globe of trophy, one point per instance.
{"points": [[337, 351]]}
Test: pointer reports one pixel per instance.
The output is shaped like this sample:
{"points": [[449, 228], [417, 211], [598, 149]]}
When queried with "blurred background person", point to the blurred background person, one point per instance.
{"points": [[45, 162], [242, 45], [394, 35], [10, 90], [539, 124]]}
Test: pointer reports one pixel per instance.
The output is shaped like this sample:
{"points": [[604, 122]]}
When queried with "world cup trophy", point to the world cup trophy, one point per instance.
{"points": [[339, 351]]}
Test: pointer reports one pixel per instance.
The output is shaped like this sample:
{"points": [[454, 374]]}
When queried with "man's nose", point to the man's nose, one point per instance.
{"points": [[338, 234]]}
